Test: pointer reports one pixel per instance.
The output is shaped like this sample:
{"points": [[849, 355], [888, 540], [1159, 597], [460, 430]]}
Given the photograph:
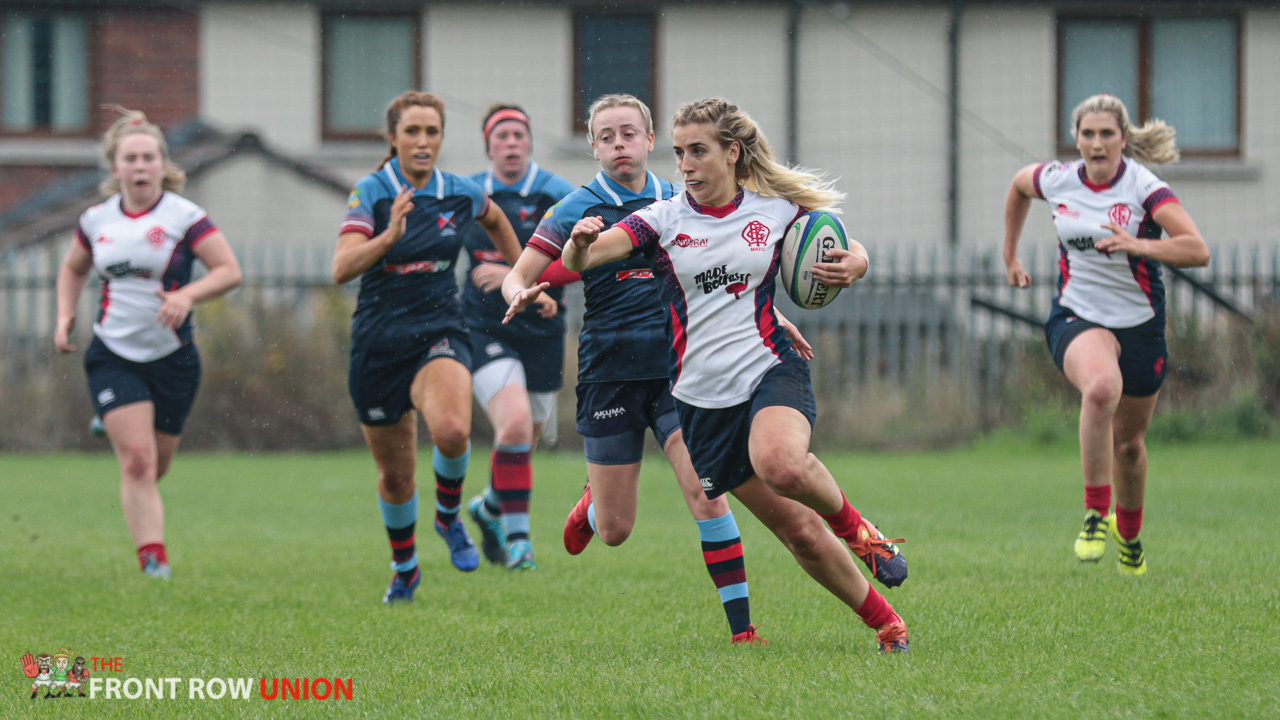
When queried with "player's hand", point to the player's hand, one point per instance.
{"points": [[29, 666], [586, 230], [62, 337], [801, 345], [1017, 277], [844, 268], [524, 299], [1121, 241], [488, 276], [400, 208], [547, 306], [174, 308]]}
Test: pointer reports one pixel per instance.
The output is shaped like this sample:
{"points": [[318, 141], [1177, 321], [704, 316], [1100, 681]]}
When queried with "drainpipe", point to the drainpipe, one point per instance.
{"points": [[953, 122], [793, 81]]}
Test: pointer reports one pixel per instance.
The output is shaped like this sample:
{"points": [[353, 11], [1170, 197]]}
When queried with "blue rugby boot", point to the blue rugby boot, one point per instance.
{"points": [[400, 592], [493, 536], [461, 550], [520, 556]]}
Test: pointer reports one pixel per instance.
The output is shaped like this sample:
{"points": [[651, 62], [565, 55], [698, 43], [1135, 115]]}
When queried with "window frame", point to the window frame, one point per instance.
{"points": [[89, 128], [580, 106], [326, 19], [1139, 115]]}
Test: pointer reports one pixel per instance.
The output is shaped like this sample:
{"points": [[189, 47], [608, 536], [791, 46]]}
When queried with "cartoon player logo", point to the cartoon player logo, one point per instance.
{"points": [[41, 669], [52, 672]]}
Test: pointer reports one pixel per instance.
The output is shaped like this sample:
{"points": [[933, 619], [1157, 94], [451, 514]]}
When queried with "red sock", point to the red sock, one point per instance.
{"points": [[155, 550], [1098, 497], [875, 611], [1128, 522], [844, 523]]}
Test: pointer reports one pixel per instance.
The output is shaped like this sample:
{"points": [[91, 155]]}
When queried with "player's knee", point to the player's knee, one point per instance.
{"points": [[514, 430], [803, 537], [613, 534], [786, 477], [1130, 451], [451, 437], [138, 463], [1103, 394], [396, 481]]}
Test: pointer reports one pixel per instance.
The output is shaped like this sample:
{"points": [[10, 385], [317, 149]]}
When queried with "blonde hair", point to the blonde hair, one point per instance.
{"points": [[397, 106], [1152, 142], [757, 168], [607, 102], [134, 122]]}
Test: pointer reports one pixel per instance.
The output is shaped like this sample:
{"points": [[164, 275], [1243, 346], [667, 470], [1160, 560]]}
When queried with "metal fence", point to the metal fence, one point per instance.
{"points": [[922, 316]]}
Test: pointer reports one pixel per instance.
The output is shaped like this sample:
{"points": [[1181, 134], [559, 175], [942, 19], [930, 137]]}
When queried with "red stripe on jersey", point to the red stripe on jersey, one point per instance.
{"points": [[767, 326], [1064, 267], [484, 209], [356, 227], [679, 339], [544, 246], [1142, 275]]}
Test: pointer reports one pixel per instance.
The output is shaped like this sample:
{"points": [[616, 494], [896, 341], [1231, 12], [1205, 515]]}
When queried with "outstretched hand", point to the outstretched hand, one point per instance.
{"points": [[524, 299]]}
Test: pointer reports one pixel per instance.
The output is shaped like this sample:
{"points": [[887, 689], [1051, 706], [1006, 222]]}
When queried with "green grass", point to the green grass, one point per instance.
{"points": [[280, 562]]}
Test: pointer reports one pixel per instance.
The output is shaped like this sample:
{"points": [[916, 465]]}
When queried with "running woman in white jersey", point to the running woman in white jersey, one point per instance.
{"points": [[622, 377], [142, 366], [743, 392], [1106, 331]]}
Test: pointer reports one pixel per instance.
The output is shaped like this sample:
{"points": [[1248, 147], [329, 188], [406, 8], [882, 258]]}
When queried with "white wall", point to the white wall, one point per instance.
{"points": [[260, 70]]}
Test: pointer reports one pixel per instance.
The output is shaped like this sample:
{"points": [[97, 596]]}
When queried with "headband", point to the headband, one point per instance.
{"points": [[503, 115]]}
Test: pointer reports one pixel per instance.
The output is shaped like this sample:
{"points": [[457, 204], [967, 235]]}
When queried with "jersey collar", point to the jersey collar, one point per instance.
{"points": [[135, 216], [1099, 187], [652, 186], [392, 171], [717, 212], [525, 184]]}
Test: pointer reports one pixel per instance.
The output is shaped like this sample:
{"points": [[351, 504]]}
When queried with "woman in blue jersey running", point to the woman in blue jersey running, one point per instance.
{"points": [[1106, 329], [409, 346], [518, 367]]}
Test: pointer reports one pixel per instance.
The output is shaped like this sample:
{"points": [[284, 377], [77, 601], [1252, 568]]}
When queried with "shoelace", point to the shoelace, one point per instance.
{"points": [[1091, 528], [881, 543]]}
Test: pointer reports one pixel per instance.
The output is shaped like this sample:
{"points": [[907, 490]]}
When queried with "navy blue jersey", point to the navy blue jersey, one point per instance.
{"points": [[524, 202], [624, 327], [410, 294]]}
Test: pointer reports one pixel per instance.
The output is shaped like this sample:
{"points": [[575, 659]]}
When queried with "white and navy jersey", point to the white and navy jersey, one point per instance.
{"points": [[1111, 289], [137, 254], [524, 202], [717, 266], [624, 323], [410, 294]]}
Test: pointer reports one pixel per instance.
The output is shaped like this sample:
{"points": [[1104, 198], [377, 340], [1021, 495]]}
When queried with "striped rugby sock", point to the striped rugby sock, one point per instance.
{"points": [[401, 520], [722, 552], [513, 484], [450, 472]]}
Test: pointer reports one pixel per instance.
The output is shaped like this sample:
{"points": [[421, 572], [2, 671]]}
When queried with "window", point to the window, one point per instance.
{"points": [[613, 53], [367, 61], [44, 82], [1183, 70]]}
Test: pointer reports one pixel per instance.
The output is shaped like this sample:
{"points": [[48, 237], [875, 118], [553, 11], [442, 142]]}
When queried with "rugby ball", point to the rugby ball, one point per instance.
{"points": [[809, 240]]}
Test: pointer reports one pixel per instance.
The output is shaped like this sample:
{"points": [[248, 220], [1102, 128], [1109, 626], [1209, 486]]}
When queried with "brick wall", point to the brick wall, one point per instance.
{"points": [[149, 61], [18, 181]]}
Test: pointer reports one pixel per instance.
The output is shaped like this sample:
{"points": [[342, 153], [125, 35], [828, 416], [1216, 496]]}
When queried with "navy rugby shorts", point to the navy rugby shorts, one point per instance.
{"points": [[380, 382], [170, 383], [1144, 354]]}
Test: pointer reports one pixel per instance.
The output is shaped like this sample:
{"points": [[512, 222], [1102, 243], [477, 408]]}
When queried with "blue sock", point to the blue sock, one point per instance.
{"points": [[401, 521], [722, 552]]}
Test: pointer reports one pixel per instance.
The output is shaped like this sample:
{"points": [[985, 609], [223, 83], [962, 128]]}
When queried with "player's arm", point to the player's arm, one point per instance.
{"points": [[521, 287], [358, 252], [1183, 248], [1016, 206], [224, 273], [496, 224], [72, 276], [591, 245]]}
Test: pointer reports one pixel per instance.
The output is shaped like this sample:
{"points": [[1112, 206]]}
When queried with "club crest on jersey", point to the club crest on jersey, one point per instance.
{"points": [[441, 348], [685, 241], [711, 280], [156, 238], [446, 224], [1120, 214], [528, 212], [1065, 211], [756, 234]]}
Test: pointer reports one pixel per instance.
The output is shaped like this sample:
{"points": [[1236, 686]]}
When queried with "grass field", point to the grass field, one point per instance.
{"points": [[280, 563]]}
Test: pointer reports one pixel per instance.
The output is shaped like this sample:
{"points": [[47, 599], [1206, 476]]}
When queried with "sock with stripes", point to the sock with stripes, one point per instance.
{"points": [[1128, 522], [400, 521], [1098, 498], [845, 522], [450, 472], [513, 483], [722, 552]]}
